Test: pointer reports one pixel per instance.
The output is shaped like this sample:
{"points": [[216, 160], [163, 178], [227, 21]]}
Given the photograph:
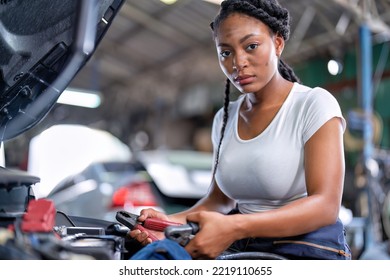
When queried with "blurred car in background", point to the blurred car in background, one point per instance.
{"points": [[182, 177], [64, 150], [103, 188], [166, 180], [89, 172]]}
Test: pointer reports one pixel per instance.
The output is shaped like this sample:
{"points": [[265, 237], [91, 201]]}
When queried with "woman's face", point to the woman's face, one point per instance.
{"points": [[248, 52]]}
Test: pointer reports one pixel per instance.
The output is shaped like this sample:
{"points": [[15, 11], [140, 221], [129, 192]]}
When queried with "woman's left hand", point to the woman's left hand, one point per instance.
{"points": [[216, 233]]}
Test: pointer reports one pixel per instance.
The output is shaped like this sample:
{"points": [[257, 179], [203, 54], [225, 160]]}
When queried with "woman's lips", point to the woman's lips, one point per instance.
{"points": [[244, 80]]}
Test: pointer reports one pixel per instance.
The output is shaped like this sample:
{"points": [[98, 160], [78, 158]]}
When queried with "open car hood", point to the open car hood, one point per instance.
{"points": [[43, 45]]}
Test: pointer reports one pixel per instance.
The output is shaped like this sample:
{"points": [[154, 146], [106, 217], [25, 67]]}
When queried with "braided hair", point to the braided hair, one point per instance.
{"points": [[276, 18]]}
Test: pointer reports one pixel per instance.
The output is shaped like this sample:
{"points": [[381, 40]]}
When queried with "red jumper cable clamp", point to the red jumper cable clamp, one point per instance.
{"points": [[131, 221]]}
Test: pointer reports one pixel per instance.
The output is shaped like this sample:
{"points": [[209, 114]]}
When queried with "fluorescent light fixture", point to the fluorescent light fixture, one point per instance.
{"points": [[169, 2], [217, 2], [2, 155], [81, 98]]}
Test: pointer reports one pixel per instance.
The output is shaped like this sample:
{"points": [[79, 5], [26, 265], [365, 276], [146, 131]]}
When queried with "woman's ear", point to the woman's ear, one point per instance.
{"points": [[279, 45]]}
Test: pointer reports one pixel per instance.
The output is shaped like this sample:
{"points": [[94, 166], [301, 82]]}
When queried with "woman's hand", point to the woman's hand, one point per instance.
{"points": [[216, 234], [143, 237]]}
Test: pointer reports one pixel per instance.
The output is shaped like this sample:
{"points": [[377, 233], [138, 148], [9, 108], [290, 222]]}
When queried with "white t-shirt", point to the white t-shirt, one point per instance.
{"points": [[267, 172]]}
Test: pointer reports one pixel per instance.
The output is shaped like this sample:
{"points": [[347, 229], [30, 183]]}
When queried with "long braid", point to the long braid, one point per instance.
{"points": [[286, 71], [276, 18], [225, 118]]}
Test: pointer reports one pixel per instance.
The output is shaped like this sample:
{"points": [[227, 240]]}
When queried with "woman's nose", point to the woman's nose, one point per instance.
{"points": [[239, 62]]}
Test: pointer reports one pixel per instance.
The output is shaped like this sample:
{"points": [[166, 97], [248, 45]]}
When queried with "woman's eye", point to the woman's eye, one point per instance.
{"points": [[252, 47], [225, 53]]}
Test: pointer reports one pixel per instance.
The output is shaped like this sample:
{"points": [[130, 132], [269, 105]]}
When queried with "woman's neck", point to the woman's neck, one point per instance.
{"points": [[275, 93]]}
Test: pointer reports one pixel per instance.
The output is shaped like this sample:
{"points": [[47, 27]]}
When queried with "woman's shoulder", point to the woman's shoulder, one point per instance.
{"points": [[307, 90], [309, 95], [317, 104]]}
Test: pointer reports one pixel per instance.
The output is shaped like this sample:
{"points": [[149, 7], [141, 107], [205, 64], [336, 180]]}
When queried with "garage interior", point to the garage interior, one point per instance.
{"points": [[157, 66], [157, 74]]}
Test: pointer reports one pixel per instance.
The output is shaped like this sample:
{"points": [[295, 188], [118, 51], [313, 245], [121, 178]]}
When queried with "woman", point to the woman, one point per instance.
{"points": [[279, 159]]}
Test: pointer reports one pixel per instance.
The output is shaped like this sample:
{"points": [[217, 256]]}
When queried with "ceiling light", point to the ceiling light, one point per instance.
{"points": [[217, 2], [169, 2], [335, 67], [2, 155], [82, 98]]}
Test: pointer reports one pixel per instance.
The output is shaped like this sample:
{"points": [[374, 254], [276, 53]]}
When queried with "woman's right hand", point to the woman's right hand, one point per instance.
{"points": [[143, 237]]}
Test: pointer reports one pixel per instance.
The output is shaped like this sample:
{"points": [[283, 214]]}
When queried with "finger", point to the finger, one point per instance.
{"points": [[142, 237], [145, 240], [143, 216], [193, 217], [194, 254], [148, 241], [138, 235], [134, 233], [146, 213], [192, 250]]}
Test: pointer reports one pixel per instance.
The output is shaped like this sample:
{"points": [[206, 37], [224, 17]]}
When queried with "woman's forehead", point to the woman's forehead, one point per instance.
{"points": [[236, 24]]}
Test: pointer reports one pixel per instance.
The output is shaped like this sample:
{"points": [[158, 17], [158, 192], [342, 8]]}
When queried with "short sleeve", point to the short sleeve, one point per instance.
{"points": [[320, 107]]}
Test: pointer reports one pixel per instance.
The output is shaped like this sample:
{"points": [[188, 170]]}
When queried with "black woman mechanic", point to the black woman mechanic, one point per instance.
{"points": [[278, 149]]}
